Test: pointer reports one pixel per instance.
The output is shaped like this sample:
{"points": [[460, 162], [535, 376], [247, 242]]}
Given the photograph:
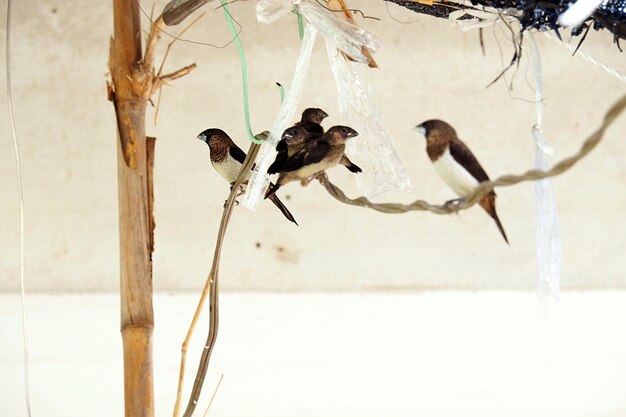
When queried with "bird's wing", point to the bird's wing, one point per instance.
{"points": [[314, 130], [280, 159], [462, 154], [281, 145], [311, 153], [237, 154]]}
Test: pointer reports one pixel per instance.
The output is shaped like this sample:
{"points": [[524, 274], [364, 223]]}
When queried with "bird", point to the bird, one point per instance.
{"points": [[312, 119], [227, 158], [309, 127], [292, 141], [456, 164], [315, 156]]}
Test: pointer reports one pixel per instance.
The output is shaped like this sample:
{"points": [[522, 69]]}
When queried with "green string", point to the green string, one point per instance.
{"points": [[281, 90], [244, 72], [300, 25]]}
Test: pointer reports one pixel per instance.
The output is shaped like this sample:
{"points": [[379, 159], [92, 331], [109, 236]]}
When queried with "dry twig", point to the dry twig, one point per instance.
{"points": [[212, 287], [161, 80]]}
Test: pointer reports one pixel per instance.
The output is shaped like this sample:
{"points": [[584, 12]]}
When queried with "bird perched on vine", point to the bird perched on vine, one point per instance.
{"points": [[456, 164], [227, 158], [315, 156]]}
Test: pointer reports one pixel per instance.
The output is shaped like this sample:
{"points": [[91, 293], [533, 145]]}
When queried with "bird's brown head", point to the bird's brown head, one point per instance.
{"points": [[438, 135], [219, 142], [313, 115], [341, 133], [295, 135], [436, 131]]}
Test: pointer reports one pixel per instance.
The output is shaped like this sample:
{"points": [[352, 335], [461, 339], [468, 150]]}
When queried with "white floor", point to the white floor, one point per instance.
{"points": [[427, 354]]}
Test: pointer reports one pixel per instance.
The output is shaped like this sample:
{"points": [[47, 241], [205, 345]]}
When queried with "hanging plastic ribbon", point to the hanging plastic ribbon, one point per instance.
{"points": [[373, 149], [350, 39], [259, 179], [548, 240], [546, 216]]}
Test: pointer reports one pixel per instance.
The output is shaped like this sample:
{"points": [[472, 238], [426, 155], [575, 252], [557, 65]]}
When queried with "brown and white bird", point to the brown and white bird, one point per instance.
{"points": [[309, 127], [227, 158], [456, 164], [316, 156]]}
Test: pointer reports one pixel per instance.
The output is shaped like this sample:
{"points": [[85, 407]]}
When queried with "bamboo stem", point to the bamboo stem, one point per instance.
{"points": [[133, 81], [135, 216]]}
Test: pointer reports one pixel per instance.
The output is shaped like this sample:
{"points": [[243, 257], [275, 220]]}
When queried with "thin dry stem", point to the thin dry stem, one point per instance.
{"points": [[169, 46], [159, 80], [178, 73], [213, 286], [185, 346], [217, 387], [158, 106], [484, 187]]}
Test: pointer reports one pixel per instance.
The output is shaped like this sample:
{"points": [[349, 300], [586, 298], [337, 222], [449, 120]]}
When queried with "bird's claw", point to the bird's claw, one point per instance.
{"points": [[307, 181], [226, 203], [242, 187]]}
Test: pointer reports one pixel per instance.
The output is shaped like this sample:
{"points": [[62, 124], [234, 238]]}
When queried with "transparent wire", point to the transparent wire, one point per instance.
{"points": [[20, 189]]}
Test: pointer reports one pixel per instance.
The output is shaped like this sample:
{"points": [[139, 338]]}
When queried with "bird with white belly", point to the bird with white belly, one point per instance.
{"points": [[456, 164]]}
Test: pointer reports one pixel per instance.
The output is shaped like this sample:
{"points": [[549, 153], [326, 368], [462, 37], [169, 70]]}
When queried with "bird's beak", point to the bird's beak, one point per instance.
{"points": [[353, 133], [201, 137], [324, 114], [420, 129]]}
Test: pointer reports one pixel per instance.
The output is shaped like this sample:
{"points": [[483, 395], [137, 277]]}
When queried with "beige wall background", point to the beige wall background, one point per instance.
{"points": [[428, 69]]}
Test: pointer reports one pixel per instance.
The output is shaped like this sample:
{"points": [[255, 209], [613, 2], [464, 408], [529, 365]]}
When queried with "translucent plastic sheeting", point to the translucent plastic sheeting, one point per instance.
{"points": [[335, 27], [373, 149], [546, 216], [259, 179], [343, 34]]}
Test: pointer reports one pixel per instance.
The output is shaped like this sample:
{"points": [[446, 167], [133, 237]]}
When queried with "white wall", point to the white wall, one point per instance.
{"points": [[428, 69]]}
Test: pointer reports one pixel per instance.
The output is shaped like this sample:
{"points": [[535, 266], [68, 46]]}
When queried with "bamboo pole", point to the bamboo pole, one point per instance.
{"points": [[133, 82], [135, 212]]}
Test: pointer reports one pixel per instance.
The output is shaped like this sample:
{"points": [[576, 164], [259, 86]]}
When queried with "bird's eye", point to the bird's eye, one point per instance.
{"points": [[344, 130]]}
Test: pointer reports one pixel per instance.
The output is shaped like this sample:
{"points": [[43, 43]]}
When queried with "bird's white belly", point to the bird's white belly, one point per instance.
{"points": [[454, 175], [228, 168]]}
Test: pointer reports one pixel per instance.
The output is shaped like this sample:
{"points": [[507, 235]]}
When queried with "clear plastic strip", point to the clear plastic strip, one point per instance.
{"points": [[259, 179], [373, 149], [546, 216]]}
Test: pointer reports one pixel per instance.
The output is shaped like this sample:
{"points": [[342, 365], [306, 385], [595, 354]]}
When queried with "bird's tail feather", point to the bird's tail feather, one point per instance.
{"points": [[273, 188], [488, 203], [274, 198], [352, 167]]}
